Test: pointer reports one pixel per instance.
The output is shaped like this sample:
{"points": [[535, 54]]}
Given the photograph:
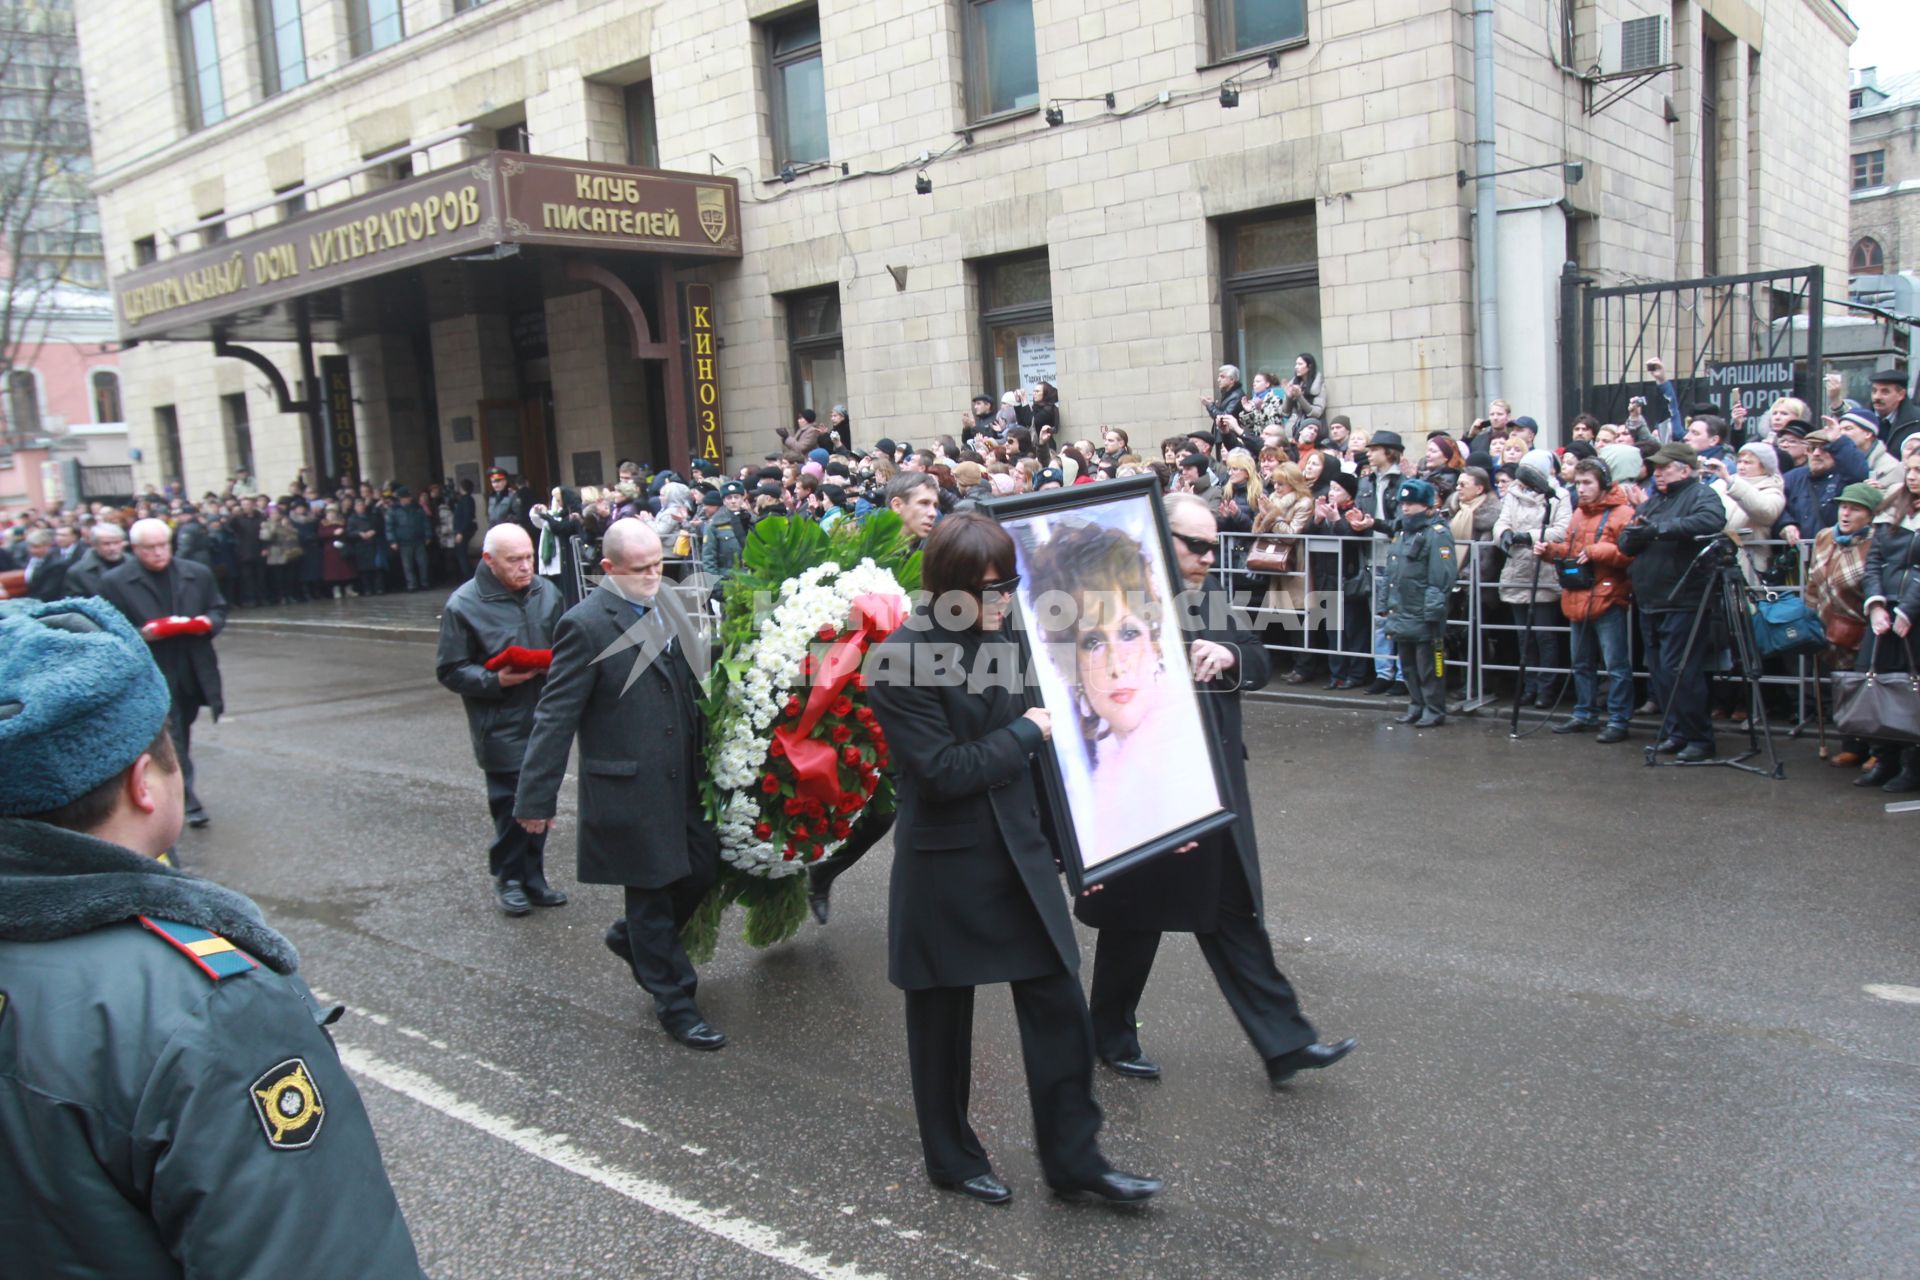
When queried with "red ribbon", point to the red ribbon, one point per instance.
{"points": [[169, 628], [520, 659], [816, 767]]}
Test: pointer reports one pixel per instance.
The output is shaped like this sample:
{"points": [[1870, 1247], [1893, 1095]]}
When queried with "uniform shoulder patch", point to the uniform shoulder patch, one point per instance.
{"points": [[288, 1103], [212, 954]]}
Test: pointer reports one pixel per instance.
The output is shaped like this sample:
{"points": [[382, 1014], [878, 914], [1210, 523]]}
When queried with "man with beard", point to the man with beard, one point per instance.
{"points": [[1212, 891], [496, 637], [177, 607]]}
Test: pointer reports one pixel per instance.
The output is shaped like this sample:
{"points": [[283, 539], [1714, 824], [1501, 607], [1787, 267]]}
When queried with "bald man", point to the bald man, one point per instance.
{"points": [[177, 607], [622, 679], [495, 630]]}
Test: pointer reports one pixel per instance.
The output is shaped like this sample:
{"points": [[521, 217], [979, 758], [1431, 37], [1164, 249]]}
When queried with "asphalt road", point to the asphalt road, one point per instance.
{"points": [[1613, 1022]]}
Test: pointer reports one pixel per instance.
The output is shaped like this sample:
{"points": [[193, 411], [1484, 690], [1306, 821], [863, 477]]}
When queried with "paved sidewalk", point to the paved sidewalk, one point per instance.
{"points": [[397, 615]]}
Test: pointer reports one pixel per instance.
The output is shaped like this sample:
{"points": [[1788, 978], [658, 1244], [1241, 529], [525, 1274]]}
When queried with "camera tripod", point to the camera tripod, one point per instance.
{"points": [[1728, 590]]}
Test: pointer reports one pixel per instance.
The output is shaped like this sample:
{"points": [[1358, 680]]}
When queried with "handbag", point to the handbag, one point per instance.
{"points": [[1272, 554], [1783, 626], [682, 545], [1579, 577], [1875, 705], [1844, 632]]}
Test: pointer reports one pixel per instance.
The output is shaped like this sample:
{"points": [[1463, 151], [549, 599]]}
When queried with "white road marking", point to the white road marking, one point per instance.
{"points": [[556, 1150], [1894, 992]]}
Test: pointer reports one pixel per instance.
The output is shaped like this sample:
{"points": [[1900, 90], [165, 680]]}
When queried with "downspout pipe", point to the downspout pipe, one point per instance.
{"points": [[1486, 254]]}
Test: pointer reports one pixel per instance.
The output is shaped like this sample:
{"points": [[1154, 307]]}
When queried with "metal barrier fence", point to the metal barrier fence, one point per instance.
{"points": [[1477, 626]]}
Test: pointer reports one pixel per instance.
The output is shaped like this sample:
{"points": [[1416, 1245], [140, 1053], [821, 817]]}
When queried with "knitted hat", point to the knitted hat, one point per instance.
{"points": [[818, 455], [1863, 495], [80, 699], [884, 445], [1860, 421], [1764, 454]]}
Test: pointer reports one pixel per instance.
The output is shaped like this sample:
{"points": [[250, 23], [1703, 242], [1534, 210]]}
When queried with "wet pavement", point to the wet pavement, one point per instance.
{"points": [[1613, 1020]]}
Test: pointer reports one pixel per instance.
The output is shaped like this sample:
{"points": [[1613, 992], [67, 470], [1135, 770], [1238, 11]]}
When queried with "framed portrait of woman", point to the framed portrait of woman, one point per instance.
{"points": [[1133, 773]]}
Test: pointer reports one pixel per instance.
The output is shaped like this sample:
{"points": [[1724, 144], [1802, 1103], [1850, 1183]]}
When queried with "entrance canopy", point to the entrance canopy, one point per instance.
{"points": [[257, 287]]}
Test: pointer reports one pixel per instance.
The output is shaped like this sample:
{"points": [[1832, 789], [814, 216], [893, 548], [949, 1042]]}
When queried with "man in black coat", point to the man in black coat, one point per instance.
{"points": [[46, 567], [177, 607], [505, 614], [1213, 891], [108, 552], [622, 679], [975, 895], [1899, 415], [1665, 539]]}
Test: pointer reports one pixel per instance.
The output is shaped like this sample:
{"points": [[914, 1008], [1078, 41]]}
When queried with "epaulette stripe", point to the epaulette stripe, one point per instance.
{"points": [[212, 954]]}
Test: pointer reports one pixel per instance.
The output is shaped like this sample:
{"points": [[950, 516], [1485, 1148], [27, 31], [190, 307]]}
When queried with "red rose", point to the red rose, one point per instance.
{"points": [[818, 850], [851, 755], [841, 828], [842, 706], [841, 733], [778, 749], [800, 831], [794, 806], [793, 705], [762, 831], [769, 784], [815, 809], [859, 681], [828, 633], [788, 852]]}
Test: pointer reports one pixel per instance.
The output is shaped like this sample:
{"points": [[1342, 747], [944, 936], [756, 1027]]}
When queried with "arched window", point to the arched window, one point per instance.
{"points": [[1868, 258], [106, 396]]}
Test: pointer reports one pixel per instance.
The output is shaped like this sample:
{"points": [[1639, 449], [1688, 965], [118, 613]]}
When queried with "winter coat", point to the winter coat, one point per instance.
{"points": [[1302, 403], [1752, 507], [1281, 514], [362, 550], [1850, 466], [1801, 512], [1665, 538], [975, 894], [1893, 567], [280, 543], [336, 565], [506, 508], [1903, 422], [170, 1104], [183, 589], [84, 574], [482, 617], [1524, 511], [1474, 523], [245, 528], [1595, 529], [191, 541], [1836, 578], [407, 525], [1421, 571]]}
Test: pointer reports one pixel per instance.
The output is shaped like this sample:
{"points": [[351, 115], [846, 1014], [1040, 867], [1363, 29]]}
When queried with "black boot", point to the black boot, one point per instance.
{"points": [[1886, 766], [1908, 779]]}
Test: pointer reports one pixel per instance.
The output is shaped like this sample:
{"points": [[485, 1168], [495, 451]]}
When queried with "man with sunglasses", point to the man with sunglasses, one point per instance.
{"points": [[1212, 892]]}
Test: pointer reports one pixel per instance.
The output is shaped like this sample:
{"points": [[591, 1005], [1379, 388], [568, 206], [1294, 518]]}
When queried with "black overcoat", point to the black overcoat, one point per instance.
{"points": [[481, 618], [185, 588], [1180, 892], [975, 895], [642, 743]]}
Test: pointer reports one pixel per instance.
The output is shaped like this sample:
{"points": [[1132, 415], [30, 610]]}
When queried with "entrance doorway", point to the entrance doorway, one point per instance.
{"points": [[517, 437]]}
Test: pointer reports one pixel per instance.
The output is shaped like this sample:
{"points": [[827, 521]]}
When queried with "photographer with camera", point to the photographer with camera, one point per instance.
{"points": [[1665, 539], [1595, 591], [1672, 425], [1533, 512]]}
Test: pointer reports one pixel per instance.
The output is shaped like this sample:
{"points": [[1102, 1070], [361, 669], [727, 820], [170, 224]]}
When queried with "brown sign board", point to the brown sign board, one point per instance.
{"points": [[503, 197]]}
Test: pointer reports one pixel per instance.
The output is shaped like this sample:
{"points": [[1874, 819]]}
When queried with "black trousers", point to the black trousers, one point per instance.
{"points": [[515, 854], [866, 832], [1426, 686], [1056, 1044], [180, 727], [652, 927], [1241, 957], [1682, 694]]}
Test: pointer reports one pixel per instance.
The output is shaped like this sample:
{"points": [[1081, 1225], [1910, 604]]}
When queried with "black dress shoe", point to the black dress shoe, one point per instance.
{"points": [[511, 898], [1115, 1187], [1139, 1066], [198, 821], [819, 894], [1431, 720], [616, 940], [1884, 770], [1307, 1058], [1406, 717], [1694, 754], [1379, 686], [1574, 726], [542, 894], [1905, 780], [1612, 733], [984, 1187], [699, 1036], [1668, 746]]}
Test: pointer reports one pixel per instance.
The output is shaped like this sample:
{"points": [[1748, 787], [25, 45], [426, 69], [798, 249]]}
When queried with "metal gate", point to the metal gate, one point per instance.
{"points": [[1755, 334]]}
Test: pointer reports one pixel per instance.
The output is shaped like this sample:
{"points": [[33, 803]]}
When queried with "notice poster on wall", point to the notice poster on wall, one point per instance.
{"points": [[1036, 359]]}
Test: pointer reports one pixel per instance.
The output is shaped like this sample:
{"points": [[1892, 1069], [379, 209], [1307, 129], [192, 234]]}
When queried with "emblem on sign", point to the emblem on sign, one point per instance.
{"points": [[712, 204], [288, 1104]]}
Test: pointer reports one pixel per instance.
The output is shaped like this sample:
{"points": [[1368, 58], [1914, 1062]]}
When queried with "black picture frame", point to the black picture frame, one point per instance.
{"points": [[1070, 782]]}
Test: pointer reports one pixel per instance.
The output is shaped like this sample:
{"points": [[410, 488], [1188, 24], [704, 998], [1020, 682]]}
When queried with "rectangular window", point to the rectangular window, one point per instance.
{"points": [[1271, 278], [200, 64], [1016, 322], [283, 52], [214, 232], [815, 353], [293, 201], [1869, 170], [512, 137], [23, 405], [1241, 26], [166, 426], [1003, 74], [146, 250], [798, 90], [376, 24], [239, 432], [106, 396], [643, 132]]}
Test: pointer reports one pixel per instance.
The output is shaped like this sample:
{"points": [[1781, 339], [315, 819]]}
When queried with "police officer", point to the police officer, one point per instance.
{"points": [[495, 632], [169, 1102], [1421, 570], [726, 535]]}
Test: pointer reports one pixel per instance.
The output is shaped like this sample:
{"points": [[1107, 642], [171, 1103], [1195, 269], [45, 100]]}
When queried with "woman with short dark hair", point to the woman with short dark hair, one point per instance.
{"points": [[975, 897]]}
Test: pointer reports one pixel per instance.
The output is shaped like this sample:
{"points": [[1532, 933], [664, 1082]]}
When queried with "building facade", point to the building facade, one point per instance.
{"points": [[1883, 173], [934, 198]]}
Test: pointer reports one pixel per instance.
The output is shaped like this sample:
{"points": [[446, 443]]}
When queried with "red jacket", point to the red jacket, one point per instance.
{"points": [[1612, 588]]}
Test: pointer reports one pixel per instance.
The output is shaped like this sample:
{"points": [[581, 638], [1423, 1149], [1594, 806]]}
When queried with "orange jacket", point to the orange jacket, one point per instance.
{"points": [[1612, 588]]}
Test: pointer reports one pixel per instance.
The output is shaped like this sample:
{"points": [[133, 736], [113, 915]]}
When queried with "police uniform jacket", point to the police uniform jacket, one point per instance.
{"points": [[975, 895], [720, 548], [642, 742], [481, 618], [170, 1104], [1421, 570], [1180, 892], [185, 588]]}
